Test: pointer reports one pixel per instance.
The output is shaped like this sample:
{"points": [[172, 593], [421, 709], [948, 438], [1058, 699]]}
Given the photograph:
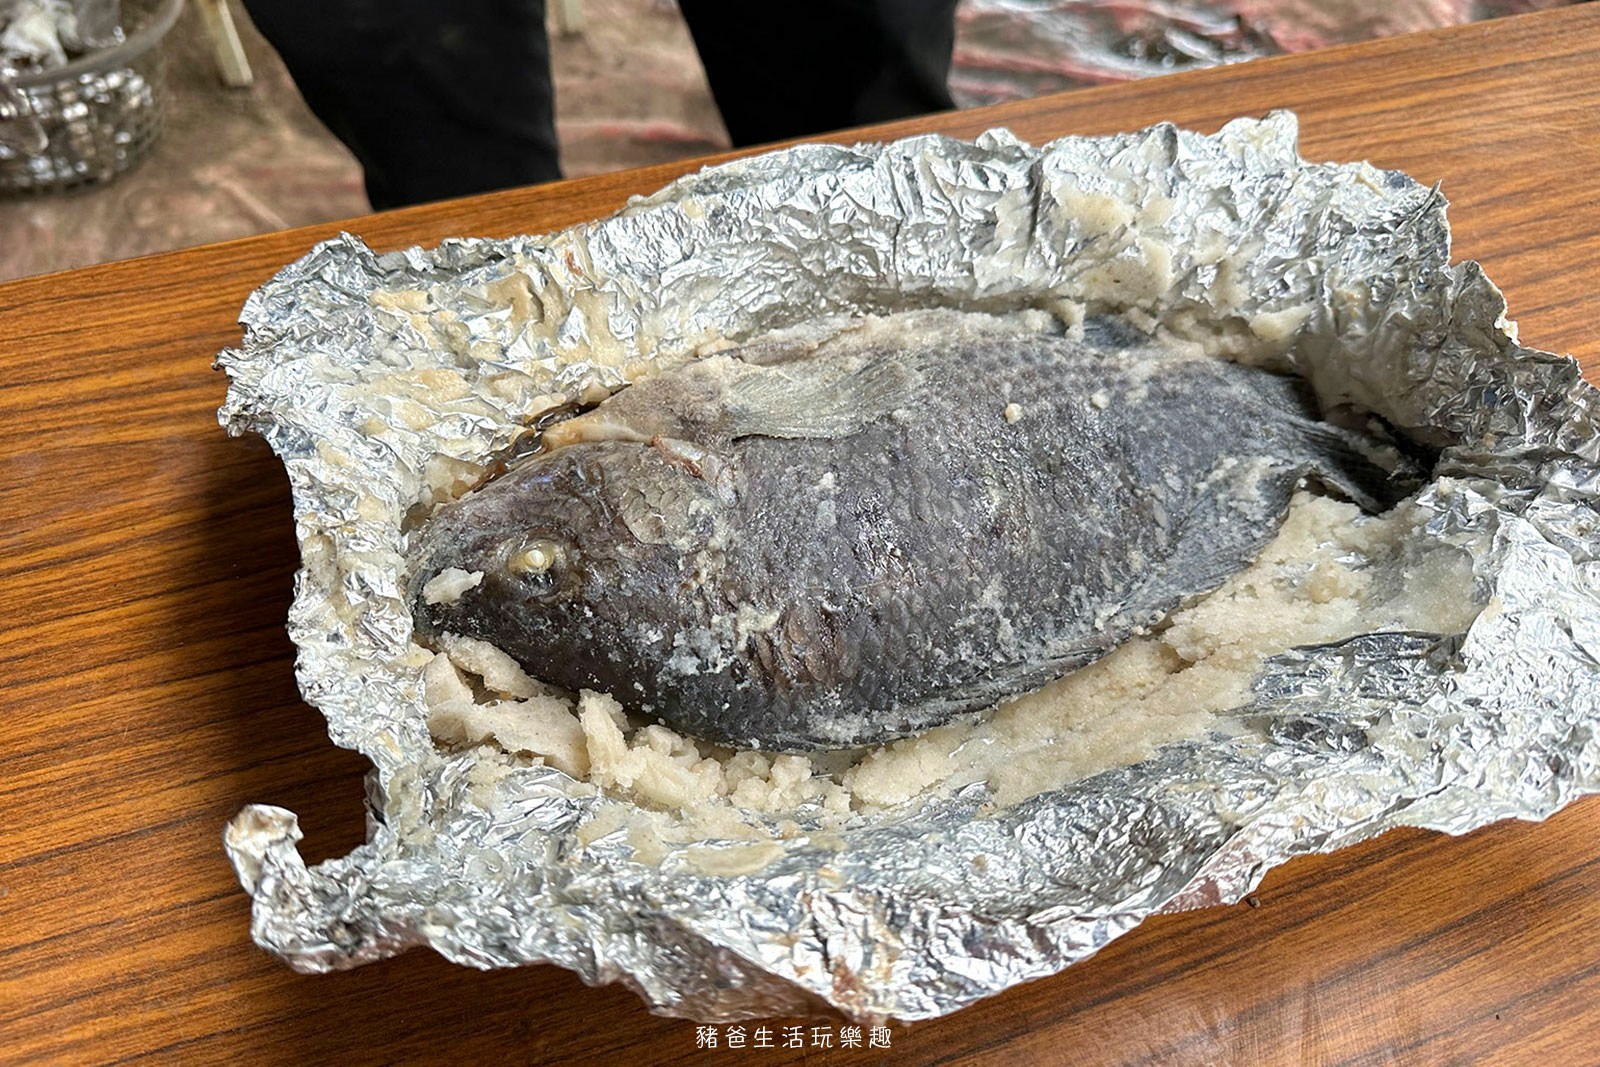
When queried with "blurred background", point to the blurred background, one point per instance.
{"points": [[201, 160]]}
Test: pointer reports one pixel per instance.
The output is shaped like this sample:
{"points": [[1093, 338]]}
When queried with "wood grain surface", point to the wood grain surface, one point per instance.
{"points": [[145, 570]]}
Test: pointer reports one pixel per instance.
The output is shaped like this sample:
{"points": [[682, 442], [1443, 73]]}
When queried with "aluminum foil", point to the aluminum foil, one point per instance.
{"points": [[361, 370], [1009, 49]]}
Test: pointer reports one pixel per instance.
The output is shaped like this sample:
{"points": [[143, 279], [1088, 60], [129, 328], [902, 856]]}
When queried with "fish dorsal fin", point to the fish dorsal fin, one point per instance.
{"points": [[824, 397], [718, 398]]}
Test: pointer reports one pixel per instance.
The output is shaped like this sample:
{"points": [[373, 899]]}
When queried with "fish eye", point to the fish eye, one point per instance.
{"points": [[534, 558]]}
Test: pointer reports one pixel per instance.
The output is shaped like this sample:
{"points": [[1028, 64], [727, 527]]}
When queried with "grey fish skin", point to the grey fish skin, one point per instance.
{"points": [[788, 548]]}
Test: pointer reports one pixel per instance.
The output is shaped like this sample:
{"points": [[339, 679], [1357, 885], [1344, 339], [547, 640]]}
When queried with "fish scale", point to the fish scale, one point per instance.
{"points": [[832, 545]]}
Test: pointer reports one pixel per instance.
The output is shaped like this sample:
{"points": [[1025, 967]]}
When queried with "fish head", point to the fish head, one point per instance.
{"points": [[571, 562]]}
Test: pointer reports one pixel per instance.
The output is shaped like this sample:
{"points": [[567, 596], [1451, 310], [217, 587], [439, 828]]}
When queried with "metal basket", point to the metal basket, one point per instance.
{"points": [[93, 118]]}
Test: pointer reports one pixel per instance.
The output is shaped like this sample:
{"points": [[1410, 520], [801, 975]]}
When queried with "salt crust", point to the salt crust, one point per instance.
{"points": [[1331, 573]]}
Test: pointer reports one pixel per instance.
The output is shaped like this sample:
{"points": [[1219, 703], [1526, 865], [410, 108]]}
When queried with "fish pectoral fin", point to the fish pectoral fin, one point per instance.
{"points": [[828, 399]]}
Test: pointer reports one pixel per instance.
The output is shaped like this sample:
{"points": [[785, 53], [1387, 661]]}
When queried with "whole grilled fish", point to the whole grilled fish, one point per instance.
{"points": [[794, 547]]}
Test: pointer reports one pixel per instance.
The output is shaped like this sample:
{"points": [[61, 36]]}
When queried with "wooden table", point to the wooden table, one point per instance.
{"points": [[145, 568]]}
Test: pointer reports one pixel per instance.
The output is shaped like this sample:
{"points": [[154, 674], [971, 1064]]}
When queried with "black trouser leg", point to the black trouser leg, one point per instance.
{"points": [[788, 68], [436, 98]]}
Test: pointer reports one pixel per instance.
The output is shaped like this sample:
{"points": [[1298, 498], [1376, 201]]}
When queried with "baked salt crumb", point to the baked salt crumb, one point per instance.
{"points": [[1012, 412], [447, 586]]}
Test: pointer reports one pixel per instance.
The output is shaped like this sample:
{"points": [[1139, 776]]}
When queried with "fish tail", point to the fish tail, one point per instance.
{"points": [[1372, 472]]}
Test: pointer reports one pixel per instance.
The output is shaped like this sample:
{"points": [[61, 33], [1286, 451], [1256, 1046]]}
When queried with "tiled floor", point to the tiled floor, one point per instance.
{"points": [[630, 91]]}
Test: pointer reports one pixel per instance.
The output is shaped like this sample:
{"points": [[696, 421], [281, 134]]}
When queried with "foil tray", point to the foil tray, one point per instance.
{"points": [[365, 372]]}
